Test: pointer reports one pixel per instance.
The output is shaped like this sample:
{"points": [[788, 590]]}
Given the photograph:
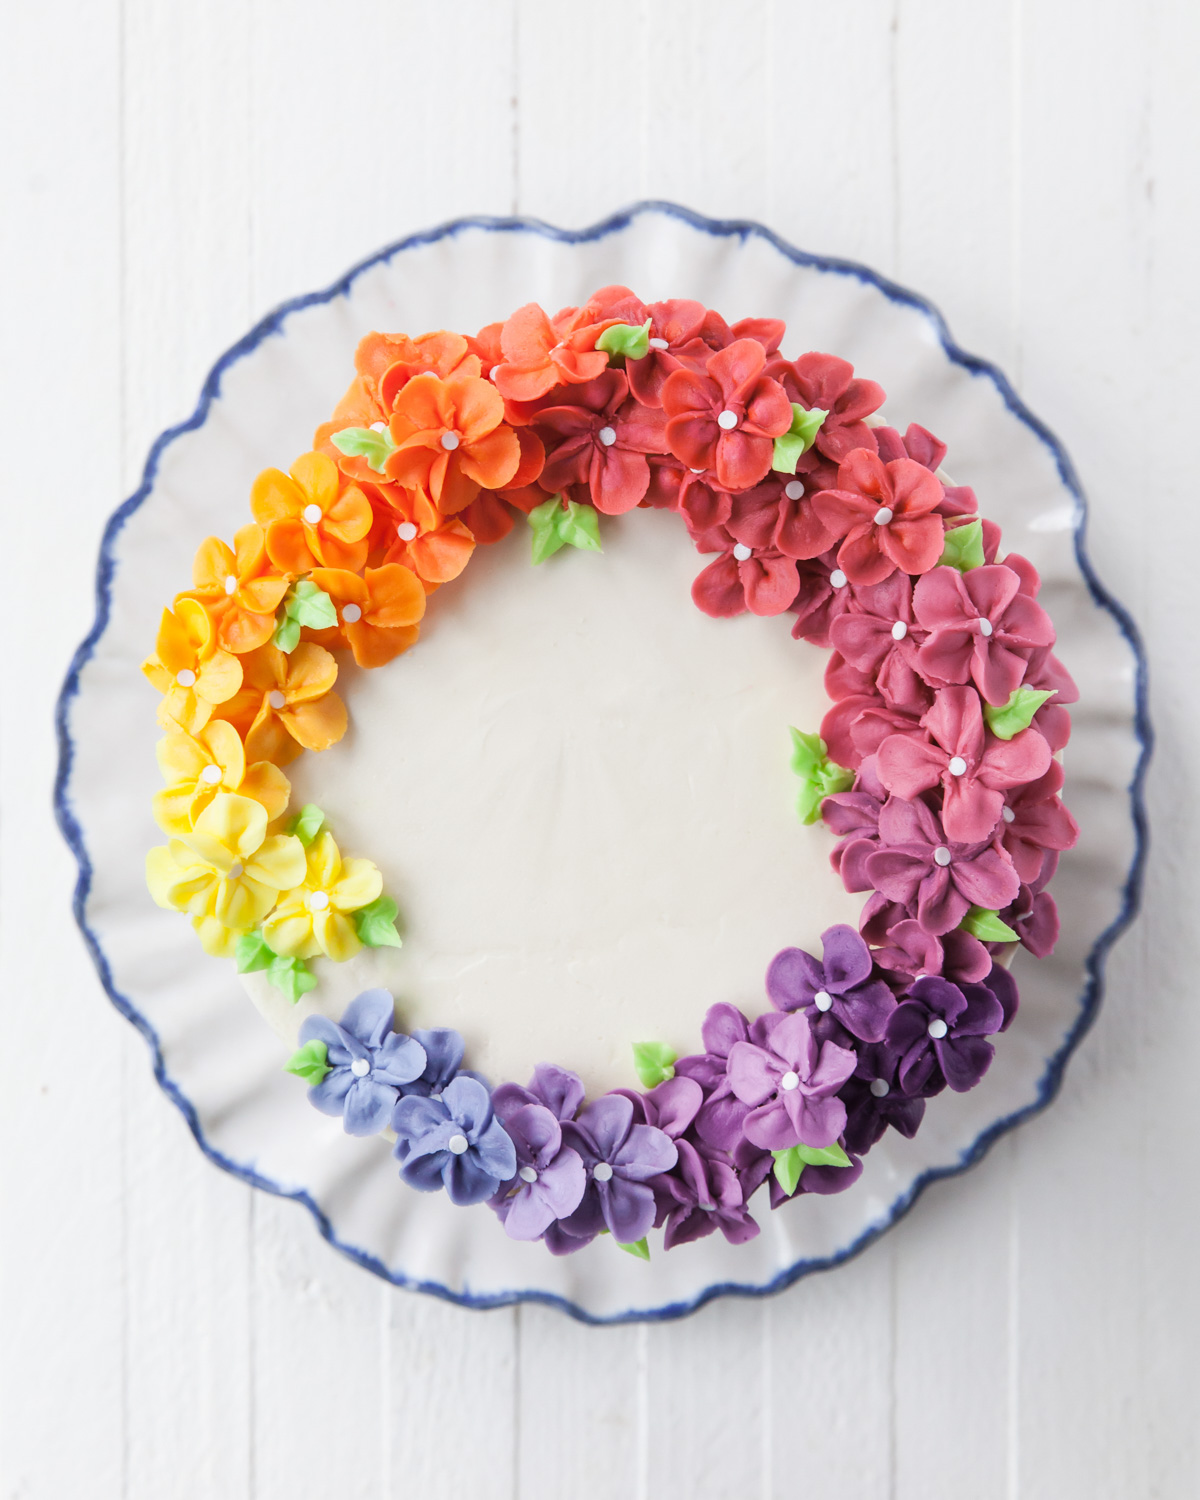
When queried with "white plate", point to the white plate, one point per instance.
{"points": [[212, 1054]]}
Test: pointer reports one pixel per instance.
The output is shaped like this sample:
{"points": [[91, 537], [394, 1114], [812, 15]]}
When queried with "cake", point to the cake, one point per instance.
{"points": [[936, 769]]}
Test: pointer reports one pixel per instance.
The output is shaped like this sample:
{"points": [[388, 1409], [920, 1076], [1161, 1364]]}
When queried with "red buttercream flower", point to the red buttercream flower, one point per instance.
{"points": [[825, 382], [727, 419], [540, 352], [982, 629], [973, 767], [879, 638], [919, 444], [884, 513], [758, 568], [825, 593], [489, 517], [600, 440]]}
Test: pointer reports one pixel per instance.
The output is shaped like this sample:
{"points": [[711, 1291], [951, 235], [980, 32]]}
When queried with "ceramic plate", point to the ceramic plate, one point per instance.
{"points": [[215, 1058]]}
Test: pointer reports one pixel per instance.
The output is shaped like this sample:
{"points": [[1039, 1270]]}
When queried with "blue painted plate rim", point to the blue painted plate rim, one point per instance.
{"points": [[1094, 964]]}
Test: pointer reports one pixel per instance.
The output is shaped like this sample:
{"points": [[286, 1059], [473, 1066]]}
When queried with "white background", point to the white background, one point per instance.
{"points": [[171, 170]]}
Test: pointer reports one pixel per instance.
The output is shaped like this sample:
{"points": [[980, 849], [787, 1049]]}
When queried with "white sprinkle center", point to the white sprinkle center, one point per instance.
{"points": [[958, 766], [985, 628], [883, 515], [608, 436], [602, 1172], [789, 1081], [742, 552], [360, 1067], [312, 514], [378, 426], [406, 531], [938, 1028], [276, 699], [211, 775], [727, 420], [837, 579], [880, 1087], [458, 1144], [231, 584], [351, 614], [941, 856], [236, 870], [793, 489], [659, 344], [1008, 815], [823, 1000], [899, 630], [450, 441], [186, 678], [707, 1208], [318, 901]]}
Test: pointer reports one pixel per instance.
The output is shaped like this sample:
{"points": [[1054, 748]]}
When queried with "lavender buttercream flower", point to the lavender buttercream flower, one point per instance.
{"points": [[719, 1122], [942, 1026], [671, 1106], [840, 985], [453, 1141], [791, 1085], [550, 1176], [558, 1089], [369, 1063], [620, 1157]]}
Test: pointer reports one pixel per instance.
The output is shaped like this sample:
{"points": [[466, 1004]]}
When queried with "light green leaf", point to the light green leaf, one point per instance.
{"points": [[287, 634], [626, 339], [555, 525], [638, 1248], [798, 439], [581, 528], [310, 1062], [252, 953], [823, 1156], [365, 442], [987, 926], [1010, 718], [376, 924], [307, 823], [310, 606], [291, 976], [963, 548], [788, 1169], [819, 776], [653, 1062]]}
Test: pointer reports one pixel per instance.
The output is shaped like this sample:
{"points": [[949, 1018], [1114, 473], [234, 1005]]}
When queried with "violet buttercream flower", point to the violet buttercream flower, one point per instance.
{"points": [[1033, 916], [822, 1180], [982, 628], [670, 1106], [619, 1157], [874, 1100], [942, 1026], [791, 1085], [369, 1063], [840, 984], [704, 1194], [550, 1177], [453, 1141]]}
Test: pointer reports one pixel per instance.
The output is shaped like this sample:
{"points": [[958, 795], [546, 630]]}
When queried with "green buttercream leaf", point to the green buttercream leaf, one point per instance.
{"points": [[987, 926], [252, 953], [963, 547], [798, 439], [287, 635], [310, 1062], [822, 1156], [555, 525], [788, 1168], [1017, 714], [639, 1248], [626, 339], [653, 1062], [376, 924], [291, 976], [308, 605], [307, 823], [581, 528], [365, 442], [819, 776]]}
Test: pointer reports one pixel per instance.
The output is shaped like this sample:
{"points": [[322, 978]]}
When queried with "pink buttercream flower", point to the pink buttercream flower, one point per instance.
{"points": [[823, 381], [728, 418], [857, 726], [1035, 822], [791, 1083], [922, 447], [974, 768], [880, 637], [885, 515], [982, 629], [911, 952], [601, 439]]}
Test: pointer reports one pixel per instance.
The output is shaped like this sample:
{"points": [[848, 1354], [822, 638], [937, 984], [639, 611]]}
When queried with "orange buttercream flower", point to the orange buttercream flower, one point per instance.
{"points": [[237, 589], [488, 516], [286, 704], [188, 668], [451, 440], [410, 530], [311, 519], [540, 352], [378, 612]]}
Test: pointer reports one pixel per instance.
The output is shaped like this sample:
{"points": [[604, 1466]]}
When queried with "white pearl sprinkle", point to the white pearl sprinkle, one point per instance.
{"points": [[236, 870], [186, 678], [880, 1087], [360, 1067], [318, 901], [312, 514], [941, 856], [789, 1081], [659, 344], [608, 436], [695, 471], [957, 766], [231, 584], [793, 489], [899, 630], [822, 1000], [727, 420], [985, 628], [450, 441], [211, 775], [1008, 815], [378, 426], [458, 1144], [406, 531], [276, 699], [742, 552], [883, 515], [351, 614], [707, 1208], [937, 1028], [527, 1174], [837, 579], [602, 1172]]}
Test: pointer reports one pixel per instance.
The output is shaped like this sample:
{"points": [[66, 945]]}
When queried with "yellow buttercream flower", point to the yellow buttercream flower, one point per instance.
{"points": [[188, 669], [199, 769], [226, 869], [314, 918]]}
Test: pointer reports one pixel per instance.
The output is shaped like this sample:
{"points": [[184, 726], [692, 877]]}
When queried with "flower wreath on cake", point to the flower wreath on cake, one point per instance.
{"points": [[935, 769]]}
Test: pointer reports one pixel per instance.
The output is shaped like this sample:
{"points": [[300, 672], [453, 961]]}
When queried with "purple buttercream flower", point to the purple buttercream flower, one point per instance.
{"points": [[910, 952], [671, 1106], [719, 1122], [453, 1141], [854, 817], [620, 1157], [791, 1085], [702, 1194], [558, 1089], [444, 1050], [941, 1025], [550, 1177], [841, 985], [874, 1100], [369, 1063], [822, 1180]]}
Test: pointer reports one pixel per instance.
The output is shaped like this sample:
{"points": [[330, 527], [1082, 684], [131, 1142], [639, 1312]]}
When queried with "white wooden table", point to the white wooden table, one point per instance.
{"points": [[172, 169]]}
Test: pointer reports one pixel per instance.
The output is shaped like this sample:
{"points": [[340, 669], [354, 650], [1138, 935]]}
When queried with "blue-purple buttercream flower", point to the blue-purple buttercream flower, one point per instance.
{"points": [[620, 1157], [453, 1141], [369, 1063], [840, 985], [444, 1049]]}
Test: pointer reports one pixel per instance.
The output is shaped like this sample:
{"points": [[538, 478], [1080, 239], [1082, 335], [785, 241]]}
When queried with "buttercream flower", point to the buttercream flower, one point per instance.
{"points": [[760, 534], [880, 636], [226, 873], [762, 581], [558, 1089], [368, 1062], [973, 768], [1033, 916], [540, 352], [600, 439], [198, 769], [411, 531], [854, 817], [824, 382], [238, 588], [703, 1193], [825, 594], [719, 1122], [489, 517], [856, 726], [619, 1157], [884, 514], [550, 1176], [909, 952], [982, 629], [839, 985], [311, 516], [917, 866], [444, 1051], [1035, 823], [791, 1085], [874, 1100], [377, 612], [941, 1026], [286, 703], [315, 915], [727, 419], [454, 1141], [189, 669], [451, 441], [919, 444]]}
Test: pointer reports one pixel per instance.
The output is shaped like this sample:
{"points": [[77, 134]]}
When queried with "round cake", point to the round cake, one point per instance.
{"points": [[608, 1101]]}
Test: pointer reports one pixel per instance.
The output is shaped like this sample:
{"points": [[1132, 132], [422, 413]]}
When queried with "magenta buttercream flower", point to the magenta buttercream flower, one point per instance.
{"points": [[884, 514], [982, 629], [941, 1026], [791, 1085], [880, 637], [917, 865], [909, 952], [825, 594], [974, 768], [823, 381], [601, 439], [854, 817], [839, 984], [1036, 822], [727, 419], [855, 727]]}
